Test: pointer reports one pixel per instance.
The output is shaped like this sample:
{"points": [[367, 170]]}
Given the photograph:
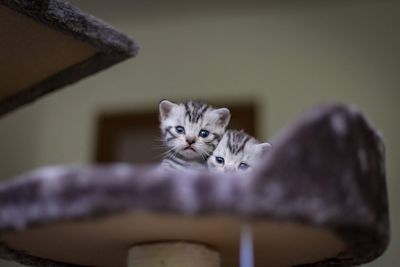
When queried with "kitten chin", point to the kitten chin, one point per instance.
{"points": [[189, 154]]}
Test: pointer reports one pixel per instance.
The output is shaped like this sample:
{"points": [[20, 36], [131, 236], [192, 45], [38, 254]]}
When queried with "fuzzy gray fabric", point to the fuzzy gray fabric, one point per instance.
{"points": [[326, 170], [113, 46]]}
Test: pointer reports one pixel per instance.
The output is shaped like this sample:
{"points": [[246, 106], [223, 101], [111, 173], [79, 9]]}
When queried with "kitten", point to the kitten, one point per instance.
{"points": [[190, 131], [237, 151]]}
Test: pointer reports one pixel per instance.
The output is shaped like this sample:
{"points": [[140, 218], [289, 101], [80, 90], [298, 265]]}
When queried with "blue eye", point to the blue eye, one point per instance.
{"points": [[220, 160], [204, 133], [180, 129], [243, 166]]}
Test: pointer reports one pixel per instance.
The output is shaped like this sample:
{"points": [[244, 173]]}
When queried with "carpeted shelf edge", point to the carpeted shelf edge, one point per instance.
{"points": [[113, 46], [72, 21]]}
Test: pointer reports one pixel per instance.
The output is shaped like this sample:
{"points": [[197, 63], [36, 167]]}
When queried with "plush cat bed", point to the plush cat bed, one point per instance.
{"points": [[318, 199], [48, 44]]}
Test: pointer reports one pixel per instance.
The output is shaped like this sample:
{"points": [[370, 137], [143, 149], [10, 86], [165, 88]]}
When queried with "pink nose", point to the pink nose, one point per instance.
{"points": [[191, 140]]}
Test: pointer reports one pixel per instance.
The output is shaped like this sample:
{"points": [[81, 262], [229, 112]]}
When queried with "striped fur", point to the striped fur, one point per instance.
{"points": [[193, 117], [238, 150], [236, 141]]}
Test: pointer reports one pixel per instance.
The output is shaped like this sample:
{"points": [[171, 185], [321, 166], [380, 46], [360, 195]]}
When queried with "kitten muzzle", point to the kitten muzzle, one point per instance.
{"points": [[190, 148]]}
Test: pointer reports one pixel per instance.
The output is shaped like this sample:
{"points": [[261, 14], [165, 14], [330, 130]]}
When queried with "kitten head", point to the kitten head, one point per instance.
{"points": [[237, 151], [192, 130]]}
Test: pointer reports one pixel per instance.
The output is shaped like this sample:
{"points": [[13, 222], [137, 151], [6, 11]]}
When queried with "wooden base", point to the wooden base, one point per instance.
{"points": [[173, 254]]}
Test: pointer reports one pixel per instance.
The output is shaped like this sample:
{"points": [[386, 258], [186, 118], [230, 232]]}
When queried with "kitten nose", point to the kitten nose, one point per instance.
{"points": [[190, 140], [229, 169]]}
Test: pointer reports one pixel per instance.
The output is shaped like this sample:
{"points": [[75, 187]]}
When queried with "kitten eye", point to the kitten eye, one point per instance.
{"points": [[180, 129], [220, 160], [204, 133], [243, 166]]}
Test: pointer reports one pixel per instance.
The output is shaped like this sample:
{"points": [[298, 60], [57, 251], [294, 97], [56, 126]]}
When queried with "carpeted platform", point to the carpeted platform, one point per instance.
{"points": [[319, 199], [48, 44]]}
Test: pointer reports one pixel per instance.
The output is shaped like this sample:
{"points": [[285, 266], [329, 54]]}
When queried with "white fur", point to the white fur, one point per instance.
{"points": [[213, 120], [250, 155]]}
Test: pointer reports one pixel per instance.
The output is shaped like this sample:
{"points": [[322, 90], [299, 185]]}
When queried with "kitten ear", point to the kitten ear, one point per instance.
{"points": [[264, 147], [165, 108], [224, 116]]}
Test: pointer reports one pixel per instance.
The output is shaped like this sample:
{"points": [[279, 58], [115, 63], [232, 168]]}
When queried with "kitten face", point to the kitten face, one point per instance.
{"points": [[237, 151], [192, 130]]}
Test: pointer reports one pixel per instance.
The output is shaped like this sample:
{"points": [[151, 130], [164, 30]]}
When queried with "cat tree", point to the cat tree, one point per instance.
{"points": [[318, 199]]}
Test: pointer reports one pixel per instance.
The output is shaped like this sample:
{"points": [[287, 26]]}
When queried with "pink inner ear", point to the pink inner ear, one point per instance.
{"points": [[224, 116], [265, 146], [165, 108]]}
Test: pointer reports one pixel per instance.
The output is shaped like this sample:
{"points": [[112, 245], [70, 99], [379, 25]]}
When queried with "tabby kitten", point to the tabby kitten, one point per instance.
{"points": [[237, 151], [190, 131]]}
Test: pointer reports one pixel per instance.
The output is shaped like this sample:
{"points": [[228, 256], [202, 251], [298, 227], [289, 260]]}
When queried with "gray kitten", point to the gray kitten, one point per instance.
{"points": [[237, 151], [190, 131]]}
